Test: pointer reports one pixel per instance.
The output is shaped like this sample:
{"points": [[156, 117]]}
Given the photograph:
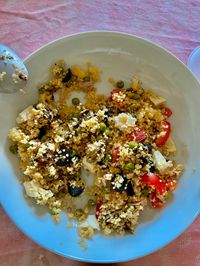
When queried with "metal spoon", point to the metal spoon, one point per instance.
{"points": [[13, 73]]}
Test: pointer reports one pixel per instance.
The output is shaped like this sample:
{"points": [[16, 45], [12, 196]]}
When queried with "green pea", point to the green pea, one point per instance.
{"points": [[13, 148], [106, 190], [129, 166], [75, 101], [86, 78], [136, 97], [91, 203], [108, 157], [120, 84], [132, 144], [102, 126], [145, 192], [76, 115], [78, 213], [107, 132]]}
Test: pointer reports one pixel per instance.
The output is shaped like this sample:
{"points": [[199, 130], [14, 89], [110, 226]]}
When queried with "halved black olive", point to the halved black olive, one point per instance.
{"points": [[68, 75], [117, 185], [130, 190], [144, 161], [43, 131], [64, 157], [75, 191], [149, 147]]}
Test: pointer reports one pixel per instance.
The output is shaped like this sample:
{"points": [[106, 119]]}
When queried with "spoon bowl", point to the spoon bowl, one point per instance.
{"points": [[13, 73]]}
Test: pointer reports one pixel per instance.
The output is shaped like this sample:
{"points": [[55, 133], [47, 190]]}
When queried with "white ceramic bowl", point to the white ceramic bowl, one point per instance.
{"points": [[119, 56]]}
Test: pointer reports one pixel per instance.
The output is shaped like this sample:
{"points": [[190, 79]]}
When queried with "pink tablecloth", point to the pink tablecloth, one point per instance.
{"points": [[26, 25]]}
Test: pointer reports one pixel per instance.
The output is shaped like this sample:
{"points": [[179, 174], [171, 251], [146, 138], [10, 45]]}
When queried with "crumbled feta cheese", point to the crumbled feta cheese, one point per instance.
{"points": [[33, 190], [160, 162], [52, 170], [108, 176], [124, 121], [96, 146], [118, 96], [92, 124], [125, 151], [58, 139], [24, 115]]}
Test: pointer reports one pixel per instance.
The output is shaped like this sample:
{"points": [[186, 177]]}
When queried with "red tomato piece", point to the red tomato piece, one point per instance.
{"points": [[164, 134], [155, 201], [161, 187], [98, 207], [152, 179], [137, 135], [167, 112], [115, 154], [171, 185]]}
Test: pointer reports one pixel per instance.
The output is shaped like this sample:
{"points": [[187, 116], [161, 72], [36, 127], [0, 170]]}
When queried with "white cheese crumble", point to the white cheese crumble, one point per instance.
{"points": [[124, 121], [24, 115], [160, 162], [118, 96], [33, 190], [92, 124]]}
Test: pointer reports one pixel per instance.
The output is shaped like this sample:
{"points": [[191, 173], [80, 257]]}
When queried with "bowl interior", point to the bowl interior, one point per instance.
{"points": [[119, 56]]}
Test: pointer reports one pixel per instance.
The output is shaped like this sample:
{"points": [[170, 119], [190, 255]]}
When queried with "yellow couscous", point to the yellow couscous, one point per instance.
{"points": [[123, 140]]}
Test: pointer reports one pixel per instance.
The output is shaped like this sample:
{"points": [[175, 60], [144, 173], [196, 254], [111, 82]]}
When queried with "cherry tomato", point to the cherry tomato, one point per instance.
{"points": [[171, 185], [167, 112], [115, 154], [137, 135], [164, 134], [155, 201], [152, 179]]}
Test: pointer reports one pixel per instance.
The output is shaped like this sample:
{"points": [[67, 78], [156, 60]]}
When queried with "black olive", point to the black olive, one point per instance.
{"points": [[85, 112], [144, 161], [152, 169], [130, 190], [68, 75], [149, 147], [42, 133], [74, 191], [64, 157], [102, 164], [123, 184]]}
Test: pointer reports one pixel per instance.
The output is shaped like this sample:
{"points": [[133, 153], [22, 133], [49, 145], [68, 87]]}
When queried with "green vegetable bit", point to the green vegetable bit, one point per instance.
{"points": [[78, 213], [13, 148], [132, 144], [75, 101], [106, 190], [107, 132], [145, 192], [108, 157], [86, 78], [91, 203], [129, 166], [102, 126], [120, 84], [76, 115]]}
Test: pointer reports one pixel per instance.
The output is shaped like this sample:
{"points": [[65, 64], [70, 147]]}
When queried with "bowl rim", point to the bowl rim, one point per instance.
{"points": [[131, 37]]}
